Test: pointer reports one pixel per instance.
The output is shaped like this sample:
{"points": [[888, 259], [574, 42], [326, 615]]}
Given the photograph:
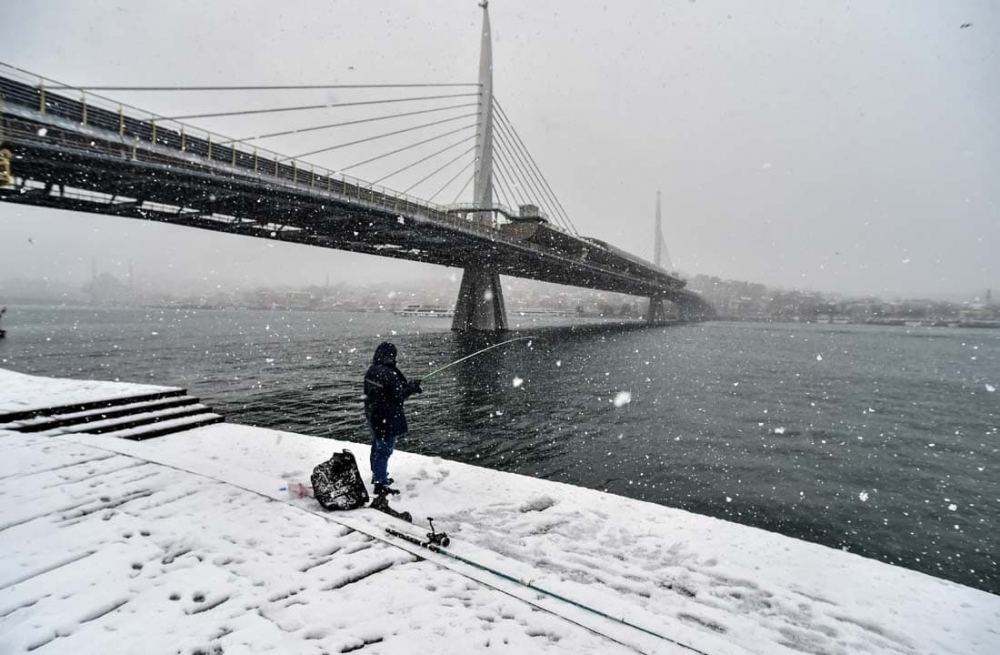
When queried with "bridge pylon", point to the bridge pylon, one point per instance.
{"points": [[480, 306], [656, 311]]}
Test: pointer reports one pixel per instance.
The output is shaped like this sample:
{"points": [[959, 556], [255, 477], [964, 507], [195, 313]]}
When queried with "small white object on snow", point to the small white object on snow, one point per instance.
{"points": [[863, 496], [819, 358], [990, 388], [517, 382]]}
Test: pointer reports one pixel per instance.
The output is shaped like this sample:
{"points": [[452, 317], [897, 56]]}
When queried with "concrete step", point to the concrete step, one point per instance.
{"points": [[42, 423], [10, 417], [166, 427], [131, 420]]}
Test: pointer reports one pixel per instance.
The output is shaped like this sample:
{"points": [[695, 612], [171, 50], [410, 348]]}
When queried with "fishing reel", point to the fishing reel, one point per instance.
{"points": [[437, 538]]}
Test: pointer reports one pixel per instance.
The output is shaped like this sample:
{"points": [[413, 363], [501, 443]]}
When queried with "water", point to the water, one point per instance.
{"points": [[878, 440]]}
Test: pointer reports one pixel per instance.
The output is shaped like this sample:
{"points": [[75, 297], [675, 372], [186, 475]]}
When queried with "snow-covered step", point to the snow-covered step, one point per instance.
{"points": [[40, 423], [10, 417], [166, 427], [132, 420]]}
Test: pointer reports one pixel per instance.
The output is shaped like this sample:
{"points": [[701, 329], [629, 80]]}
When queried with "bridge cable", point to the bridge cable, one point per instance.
{"points": [[423, 159], [303, 130], [508, 126], [507, 133], [464, 187], [380, 136], [454, 177], [504, 176], [506, 151], [518, 185], [498, 187], [506, 141], [264, 87], [439, 169], [505, 188], [527, 184], [328, 105], [409, 147], [517, 136]]}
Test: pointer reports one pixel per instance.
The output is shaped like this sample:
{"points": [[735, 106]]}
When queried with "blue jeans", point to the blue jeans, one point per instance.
{"points": [[379, 460]]}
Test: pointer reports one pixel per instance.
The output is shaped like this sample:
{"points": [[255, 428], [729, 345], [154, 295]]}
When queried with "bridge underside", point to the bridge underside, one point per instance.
{"points": [[57, 163]]}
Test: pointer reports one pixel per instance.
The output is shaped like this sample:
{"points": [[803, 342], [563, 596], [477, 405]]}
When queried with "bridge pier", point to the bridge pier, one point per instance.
{"points": [[656, 312], [480, 306]]}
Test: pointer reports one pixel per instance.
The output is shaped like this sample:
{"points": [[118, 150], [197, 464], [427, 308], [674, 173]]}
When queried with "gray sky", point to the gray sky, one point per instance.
{"points": [[850, 147]]}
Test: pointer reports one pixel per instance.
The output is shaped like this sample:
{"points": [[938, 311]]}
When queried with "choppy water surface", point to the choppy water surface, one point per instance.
{"points": [[879, 440]]}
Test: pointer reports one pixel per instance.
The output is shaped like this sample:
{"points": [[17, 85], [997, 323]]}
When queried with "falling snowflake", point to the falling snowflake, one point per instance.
{"points": [[729, 499], [622, 398], [779, 430], [863, 496], [42, 131], [990, 388], [517, 382], [952, 507], [558, 362], [819, 358]]}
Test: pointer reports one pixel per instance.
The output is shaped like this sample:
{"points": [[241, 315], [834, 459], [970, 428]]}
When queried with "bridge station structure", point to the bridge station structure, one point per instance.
{"points": [[69, 148]]}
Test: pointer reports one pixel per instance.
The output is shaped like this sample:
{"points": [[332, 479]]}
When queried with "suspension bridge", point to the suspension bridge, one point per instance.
{"points": [[75, 148]]}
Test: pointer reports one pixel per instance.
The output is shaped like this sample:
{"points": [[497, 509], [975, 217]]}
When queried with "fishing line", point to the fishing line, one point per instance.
{"points": [[478, 352]]}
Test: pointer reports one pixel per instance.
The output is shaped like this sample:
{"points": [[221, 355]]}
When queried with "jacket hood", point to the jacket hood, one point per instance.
{"points": [[385, 354]]}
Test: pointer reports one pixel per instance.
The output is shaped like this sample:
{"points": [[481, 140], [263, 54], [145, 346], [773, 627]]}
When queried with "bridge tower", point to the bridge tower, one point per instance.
{"points": [[656, 312], [480, 305]]}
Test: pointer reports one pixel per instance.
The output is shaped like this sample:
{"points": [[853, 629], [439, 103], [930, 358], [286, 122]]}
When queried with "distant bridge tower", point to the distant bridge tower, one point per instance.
{"points": [[480, 305], [656, 312]]}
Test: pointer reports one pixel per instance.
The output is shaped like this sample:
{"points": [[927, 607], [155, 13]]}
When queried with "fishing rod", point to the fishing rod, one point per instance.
{"points": [[478, 352]]}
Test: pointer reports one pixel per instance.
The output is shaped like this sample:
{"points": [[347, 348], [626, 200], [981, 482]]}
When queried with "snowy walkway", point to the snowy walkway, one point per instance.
{"points": [[186, 544]]}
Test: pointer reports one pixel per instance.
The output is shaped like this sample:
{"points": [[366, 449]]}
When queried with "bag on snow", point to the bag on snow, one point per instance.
{"points": [[337, 483]]}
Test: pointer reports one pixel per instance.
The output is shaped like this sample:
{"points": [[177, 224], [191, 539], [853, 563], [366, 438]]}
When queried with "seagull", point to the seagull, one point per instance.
{"points": [[964, 25]]}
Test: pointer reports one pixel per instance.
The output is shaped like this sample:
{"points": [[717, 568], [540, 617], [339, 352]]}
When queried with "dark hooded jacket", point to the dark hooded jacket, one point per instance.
{"points": [[385, 390]]}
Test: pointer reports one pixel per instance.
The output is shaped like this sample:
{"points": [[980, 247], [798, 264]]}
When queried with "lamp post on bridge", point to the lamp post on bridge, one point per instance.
{"points": [[480, 305]]}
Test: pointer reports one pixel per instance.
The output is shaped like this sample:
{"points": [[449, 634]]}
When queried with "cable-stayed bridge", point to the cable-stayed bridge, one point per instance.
{"points": [[75, 148]]}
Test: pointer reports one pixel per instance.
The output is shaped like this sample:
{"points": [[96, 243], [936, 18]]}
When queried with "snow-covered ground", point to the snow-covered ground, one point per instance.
{"points": [[20, 392], [187, 544]]}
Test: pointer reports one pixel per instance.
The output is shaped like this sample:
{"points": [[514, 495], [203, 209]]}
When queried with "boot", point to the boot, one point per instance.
{"points": [[384, 489]]}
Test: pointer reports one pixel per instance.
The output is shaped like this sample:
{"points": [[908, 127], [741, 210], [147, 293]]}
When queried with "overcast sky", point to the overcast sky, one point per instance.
{"points": [[835, 146]]}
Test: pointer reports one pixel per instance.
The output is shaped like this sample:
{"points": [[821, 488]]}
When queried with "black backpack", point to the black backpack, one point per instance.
{"points": [[337, 483]]}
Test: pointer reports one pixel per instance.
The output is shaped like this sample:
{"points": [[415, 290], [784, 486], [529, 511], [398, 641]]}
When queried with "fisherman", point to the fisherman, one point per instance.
{"points": [[385, 390]]}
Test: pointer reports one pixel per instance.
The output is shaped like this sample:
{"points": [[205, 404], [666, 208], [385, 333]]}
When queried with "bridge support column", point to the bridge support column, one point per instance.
{"points": [[656, 312], [480, 306]]}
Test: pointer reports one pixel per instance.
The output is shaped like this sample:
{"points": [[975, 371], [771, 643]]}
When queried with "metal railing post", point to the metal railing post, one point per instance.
{"points": [[83, 101], [183, 139], [255, 159], [41, 96], [295, 173], [152, 138], [209, 146], [121, 120]]}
